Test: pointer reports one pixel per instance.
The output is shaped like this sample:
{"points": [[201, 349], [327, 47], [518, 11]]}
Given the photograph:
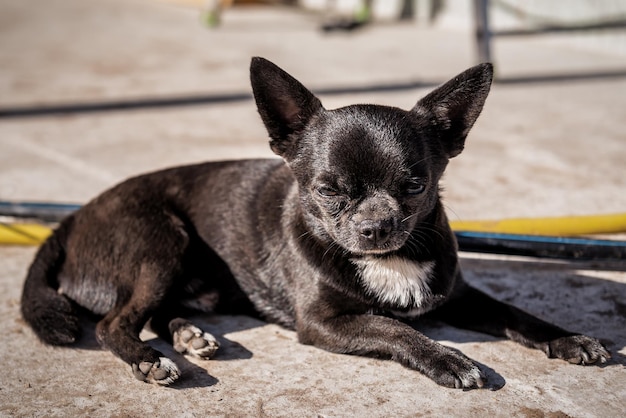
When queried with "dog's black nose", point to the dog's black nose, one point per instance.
{"points": [[376, 231]]}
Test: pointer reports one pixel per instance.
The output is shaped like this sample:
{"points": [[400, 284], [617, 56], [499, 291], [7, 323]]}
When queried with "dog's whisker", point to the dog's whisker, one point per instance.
{"points": [[451, 210], [421, 227], [409, 217], [420, 161], [301, 236]]}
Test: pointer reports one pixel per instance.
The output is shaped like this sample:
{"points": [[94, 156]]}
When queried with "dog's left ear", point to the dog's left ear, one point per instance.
{"points": [[454, 107], [285, 105]]}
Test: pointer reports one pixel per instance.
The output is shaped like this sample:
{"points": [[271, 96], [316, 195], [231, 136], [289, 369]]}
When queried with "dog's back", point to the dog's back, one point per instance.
{"points": [[79, 266]]}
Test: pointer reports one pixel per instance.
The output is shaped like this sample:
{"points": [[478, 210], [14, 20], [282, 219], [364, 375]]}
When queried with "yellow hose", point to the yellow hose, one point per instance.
{"points": [[35, 234], [23, 234], [560, 226]]}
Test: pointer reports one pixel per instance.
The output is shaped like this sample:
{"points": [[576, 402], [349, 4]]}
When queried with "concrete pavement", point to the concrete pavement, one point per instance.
{"points": [[550, 142]]}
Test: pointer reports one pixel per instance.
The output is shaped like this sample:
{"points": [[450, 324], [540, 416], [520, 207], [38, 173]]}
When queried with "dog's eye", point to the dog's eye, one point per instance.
{"points": [[327, 192], [414, 188]]}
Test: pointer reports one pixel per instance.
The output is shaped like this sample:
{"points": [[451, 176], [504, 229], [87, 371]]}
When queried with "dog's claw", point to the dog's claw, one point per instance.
{"points": [[459, 372], [473, 379], [477, 379]]}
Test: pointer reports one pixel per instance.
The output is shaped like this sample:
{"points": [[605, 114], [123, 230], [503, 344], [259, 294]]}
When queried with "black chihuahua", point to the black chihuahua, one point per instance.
{"points": [[344, 239]]}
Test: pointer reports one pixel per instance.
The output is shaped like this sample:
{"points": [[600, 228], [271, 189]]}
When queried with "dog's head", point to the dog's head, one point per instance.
{"points": [[367, 175]]}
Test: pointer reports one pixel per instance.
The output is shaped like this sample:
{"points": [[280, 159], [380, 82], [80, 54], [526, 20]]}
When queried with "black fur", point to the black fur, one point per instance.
{"points": [[336, 240]]}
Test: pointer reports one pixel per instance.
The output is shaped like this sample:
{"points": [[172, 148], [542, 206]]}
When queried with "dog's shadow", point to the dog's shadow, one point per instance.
{"points": [[582, 297], [572, 295], [438, 331]]}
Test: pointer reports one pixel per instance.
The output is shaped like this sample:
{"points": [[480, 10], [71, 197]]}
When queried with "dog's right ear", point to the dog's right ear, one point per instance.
{"points": [[285, 105], [454, 107]]}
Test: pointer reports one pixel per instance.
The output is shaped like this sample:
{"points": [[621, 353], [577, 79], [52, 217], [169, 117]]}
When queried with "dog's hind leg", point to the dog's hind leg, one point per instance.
{"points": [[119, 330]]}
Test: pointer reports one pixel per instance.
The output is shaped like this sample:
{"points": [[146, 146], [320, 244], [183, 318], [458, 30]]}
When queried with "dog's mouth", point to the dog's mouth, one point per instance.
{"points": [[374, 252]]}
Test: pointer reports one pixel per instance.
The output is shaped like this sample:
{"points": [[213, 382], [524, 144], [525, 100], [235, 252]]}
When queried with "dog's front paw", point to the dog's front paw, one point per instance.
{"points": [[162, 372], [455, 370], [191, 340], [578, 349]]}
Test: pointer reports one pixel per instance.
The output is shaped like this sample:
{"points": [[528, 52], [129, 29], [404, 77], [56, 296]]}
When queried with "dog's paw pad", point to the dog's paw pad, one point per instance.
{"points": [[162, 372], [193, 341], [579, 349]]}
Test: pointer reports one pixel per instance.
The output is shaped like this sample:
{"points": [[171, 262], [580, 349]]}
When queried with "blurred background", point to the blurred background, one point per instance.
{"points": [[94, 91]]}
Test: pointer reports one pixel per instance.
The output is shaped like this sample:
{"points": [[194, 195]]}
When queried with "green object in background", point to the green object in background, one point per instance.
{"points": [[211, 18], [363, 14]]}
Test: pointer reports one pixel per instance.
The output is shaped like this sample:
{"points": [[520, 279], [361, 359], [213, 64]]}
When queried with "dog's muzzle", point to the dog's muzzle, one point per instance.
{"points": [[376, 232], [377, 236]]}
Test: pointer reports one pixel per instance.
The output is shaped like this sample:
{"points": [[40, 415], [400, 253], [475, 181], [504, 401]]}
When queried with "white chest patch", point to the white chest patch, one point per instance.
{"points": [[396, 280]]}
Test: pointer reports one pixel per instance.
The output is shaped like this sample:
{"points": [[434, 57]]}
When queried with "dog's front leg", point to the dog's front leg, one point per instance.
{"points": [[378, 336], [472, 309]]}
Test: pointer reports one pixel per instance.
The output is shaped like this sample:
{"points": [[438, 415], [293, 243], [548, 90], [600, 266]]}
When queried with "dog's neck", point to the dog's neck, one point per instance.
{"points": [[397, 281]]}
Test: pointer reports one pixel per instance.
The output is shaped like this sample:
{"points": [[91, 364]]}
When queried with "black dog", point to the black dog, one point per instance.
{"points": [[337, 240]]}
